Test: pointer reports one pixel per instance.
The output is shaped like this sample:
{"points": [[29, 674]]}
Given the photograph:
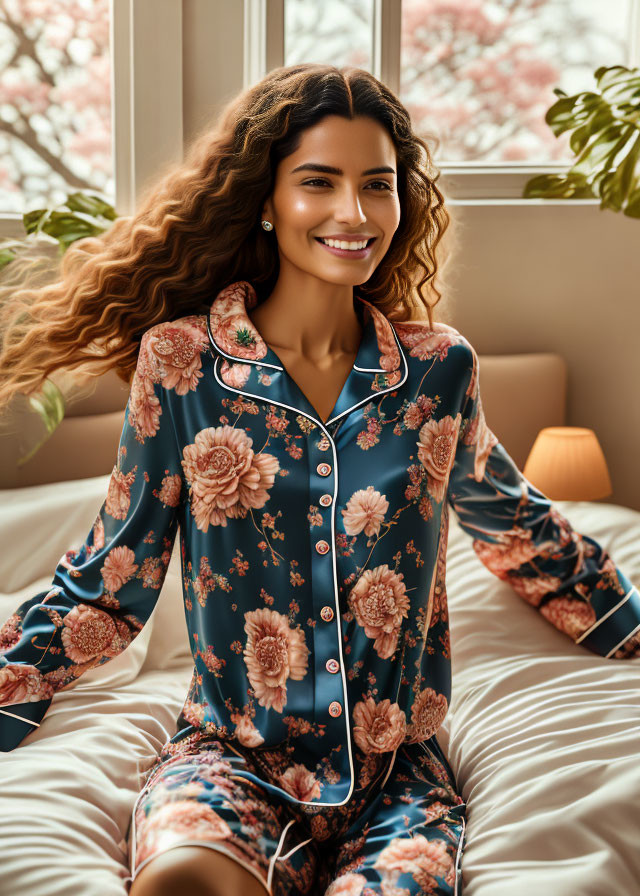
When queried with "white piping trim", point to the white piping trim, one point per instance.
{"points": [[335, 581], [13, 715], [268, 400], [369, 369], [323, 427], [624, 641], [272, 860], [458, 857], [295, 849], [606, 615], [264, 363], [218, 847]]}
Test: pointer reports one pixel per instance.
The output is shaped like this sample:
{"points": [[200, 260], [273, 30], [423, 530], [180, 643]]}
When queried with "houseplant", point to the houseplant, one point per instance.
{"points": [[605, 140]]}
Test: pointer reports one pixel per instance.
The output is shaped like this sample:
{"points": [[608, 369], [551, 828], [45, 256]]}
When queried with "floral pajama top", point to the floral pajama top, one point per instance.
{"points": [[313, 554]]}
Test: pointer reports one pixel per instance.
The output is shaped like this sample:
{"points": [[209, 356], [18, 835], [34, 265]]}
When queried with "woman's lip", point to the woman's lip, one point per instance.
{"points": [[347, 253]]}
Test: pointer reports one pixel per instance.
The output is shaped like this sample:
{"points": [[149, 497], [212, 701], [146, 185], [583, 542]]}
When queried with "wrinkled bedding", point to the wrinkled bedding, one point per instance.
{"points": [[543, 736]]}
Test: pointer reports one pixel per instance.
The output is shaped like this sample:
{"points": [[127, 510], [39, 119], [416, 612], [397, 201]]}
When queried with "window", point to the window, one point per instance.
{"points": [[337, 32], [55, 102], [480, 75]]}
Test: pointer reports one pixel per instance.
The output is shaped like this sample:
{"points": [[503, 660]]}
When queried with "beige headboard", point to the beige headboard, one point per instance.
{"points": [[521, 394]]}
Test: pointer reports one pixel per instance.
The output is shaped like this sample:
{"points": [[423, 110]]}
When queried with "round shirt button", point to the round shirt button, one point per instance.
{"points": [[327, 614], [323, 469], [323, 444], [335, 709], [332, 666], [322, 546], [325, 500]]}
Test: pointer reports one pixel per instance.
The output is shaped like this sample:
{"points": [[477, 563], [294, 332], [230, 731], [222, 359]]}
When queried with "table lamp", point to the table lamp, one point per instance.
{"points": [[567, 463]]}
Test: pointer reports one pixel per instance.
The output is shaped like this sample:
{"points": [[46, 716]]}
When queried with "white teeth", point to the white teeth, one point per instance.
{"points": [[343, 244]]}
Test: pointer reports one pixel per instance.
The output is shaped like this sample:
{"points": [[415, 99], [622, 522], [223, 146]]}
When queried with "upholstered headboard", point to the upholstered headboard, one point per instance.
{"points": [[521, 394]]}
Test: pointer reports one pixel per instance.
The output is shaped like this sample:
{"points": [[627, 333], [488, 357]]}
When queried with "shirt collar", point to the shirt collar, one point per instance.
{"points": [[379, 366], [234, 335]]}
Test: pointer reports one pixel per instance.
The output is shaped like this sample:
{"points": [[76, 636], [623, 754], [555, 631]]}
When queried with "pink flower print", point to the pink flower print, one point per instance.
{"points": [[118, 568], [415, 855], [347, 885], [379, 602], [246, 731], [144, 407], [119, 494], [23, 684], [274, 653], [237, 335], [572, 616], [235, 375], [193, 712], [98, 534], [478, 433], [225, 475], [513, 548], [427, 714], [434, 811], [413, 416], [436, 451], [390, 356], [533, 588], [425, 342], [177, 821], [174, 349], [89, 632], [300, 783], [365, 512], [153, 570], [169, 493], [10, 632], [378, 727]]}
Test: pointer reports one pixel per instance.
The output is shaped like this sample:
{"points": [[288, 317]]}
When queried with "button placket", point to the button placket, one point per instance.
{"points": [[327, 613]]}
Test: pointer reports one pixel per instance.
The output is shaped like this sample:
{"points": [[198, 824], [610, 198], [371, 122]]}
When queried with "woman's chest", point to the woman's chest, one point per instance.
{"points": [[320, 384]]}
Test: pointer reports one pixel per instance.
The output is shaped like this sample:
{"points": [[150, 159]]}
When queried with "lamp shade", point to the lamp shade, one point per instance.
{"points": [[567, 463]]}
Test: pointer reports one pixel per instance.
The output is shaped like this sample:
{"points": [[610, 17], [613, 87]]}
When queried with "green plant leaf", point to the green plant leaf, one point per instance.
{"points": [[558, 186], [6, 255], [632, 208], [49, 404], [604, 139], [90, 205]]}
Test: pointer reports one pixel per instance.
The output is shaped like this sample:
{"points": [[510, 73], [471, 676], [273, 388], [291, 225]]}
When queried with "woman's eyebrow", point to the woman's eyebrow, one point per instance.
{"points": [[329, 169]]}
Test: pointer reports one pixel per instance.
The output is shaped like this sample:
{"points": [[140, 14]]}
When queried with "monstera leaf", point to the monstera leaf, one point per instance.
{"points": [[605, 139]]}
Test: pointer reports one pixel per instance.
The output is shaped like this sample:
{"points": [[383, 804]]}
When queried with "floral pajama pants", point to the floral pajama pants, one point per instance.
{"points": [[401, 833]]}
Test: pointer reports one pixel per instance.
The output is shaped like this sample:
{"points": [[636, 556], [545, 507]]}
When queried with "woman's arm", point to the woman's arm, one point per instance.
{"points": [[521, 537], [104, 592]]}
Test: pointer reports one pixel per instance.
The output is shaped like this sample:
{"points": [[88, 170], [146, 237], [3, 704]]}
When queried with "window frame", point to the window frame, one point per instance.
{"points": [[150, 46], [145, 134]]}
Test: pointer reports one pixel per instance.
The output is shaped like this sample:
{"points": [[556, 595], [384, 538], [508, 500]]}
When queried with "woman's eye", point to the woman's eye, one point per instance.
{"points": [[321, 180]]}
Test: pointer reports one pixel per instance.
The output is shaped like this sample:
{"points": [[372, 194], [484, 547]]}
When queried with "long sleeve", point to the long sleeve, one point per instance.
{"points": [[521, 537], [103, 592]]}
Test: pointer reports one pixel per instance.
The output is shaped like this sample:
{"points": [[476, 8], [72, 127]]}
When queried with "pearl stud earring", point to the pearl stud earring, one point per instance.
{"points": [[267, 225]]}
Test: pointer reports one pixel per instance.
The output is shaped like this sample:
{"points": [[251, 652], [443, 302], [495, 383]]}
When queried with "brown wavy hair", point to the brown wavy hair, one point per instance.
{"points": [[197, 229]]}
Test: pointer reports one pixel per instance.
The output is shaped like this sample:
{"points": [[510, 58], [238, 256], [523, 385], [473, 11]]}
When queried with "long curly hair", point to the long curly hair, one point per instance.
{"points": [[197, 229]]}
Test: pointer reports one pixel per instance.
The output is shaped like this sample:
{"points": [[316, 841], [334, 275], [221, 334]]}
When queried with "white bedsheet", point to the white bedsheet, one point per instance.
{"points": [[543, 736]]}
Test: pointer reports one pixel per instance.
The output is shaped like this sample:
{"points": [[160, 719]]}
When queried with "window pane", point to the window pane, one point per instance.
{"points": [[336, 32], [478, 75], [55, 102]]}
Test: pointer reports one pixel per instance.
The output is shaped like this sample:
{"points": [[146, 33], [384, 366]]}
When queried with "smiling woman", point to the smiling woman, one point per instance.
{"points": [[297, 415]]}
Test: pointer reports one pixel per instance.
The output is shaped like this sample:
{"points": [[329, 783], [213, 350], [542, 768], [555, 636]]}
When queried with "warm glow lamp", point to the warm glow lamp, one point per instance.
{"points": [[567, 463]]}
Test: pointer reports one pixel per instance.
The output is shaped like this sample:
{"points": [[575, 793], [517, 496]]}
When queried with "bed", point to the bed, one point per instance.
{"points": [[543, 736]]}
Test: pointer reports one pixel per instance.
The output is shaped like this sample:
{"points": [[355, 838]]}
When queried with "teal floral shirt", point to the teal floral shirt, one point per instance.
{"points": [[313, 554]]}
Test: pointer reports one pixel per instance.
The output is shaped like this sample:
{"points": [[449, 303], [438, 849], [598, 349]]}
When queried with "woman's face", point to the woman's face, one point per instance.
{"points": [[308, 204]]}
